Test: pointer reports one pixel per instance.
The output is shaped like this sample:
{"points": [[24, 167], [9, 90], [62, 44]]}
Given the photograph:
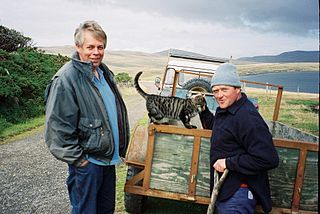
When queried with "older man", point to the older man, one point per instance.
{"points": [[241, 142], [86, 123]]}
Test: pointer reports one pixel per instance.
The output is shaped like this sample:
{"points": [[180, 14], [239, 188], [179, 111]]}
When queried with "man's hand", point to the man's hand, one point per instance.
{"points": [[84, 163], [220, 165]]}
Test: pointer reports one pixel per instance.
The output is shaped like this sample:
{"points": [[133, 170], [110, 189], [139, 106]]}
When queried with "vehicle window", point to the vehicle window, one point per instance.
{"points": [[169, 76], [181, 79]]}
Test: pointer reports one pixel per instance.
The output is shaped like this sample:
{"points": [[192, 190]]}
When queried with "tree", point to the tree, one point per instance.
{"points": [[24, 75], [11, 40], [123, 78]]}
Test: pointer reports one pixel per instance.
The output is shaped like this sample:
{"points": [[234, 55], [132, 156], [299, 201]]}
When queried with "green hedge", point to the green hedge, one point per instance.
{"points": [[24, 75]]}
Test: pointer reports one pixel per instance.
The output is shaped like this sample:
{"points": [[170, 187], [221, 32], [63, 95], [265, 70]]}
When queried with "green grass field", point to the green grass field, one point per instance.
{"points": [[296, 110]]}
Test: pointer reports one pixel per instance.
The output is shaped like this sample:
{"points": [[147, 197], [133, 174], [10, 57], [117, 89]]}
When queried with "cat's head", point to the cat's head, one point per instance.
{"points": [[199, 101]]}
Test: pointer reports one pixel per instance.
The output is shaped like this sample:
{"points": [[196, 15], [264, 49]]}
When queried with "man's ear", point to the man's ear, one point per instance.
{"points": [[77, 48]]}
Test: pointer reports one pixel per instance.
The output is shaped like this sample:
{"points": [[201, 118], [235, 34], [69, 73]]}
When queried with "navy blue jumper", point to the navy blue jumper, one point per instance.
{"points": [[240, 135]]}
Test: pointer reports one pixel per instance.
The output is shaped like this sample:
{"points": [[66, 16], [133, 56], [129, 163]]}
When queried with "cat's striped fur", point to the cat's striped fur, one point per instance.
{"points": [[160, 107]]}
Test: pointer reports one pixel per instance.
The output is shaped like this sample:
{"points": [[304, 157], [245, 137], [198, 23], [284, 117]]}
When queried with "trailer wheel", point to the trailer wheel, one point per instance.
{"points": [[200, 85], [132, 202]]}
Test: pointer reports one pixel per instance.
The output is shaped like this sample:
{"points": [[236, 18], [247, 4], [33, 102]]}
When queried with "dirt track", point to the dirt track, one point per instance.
{"points": [[32, 180]]}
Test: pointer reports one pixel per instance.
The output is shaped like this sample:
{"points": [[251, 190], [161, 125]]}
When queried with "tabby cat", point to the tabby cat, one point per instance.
{"points": [[160, 108]]}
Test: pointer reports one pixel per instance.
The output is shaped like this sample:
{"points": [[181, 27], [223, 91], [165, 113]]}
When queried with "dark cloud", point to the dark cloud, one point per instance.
{"points": [[294, 17]]}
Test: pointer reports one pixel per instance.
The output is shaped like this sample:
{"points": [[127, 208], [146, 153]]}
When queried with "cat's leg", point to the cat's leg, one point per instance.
{"points": [[186, 121], [155, 117]]}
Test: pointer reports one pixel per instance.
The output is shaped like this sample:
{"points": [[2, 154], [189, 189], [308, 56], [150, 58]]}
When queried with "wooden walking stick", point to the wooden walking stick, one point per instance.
{"points": [[217, 185]]}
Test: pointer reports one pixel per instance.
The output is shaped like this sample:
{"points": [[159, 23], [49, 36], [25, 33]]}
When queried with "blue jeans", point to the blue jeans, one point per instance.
{"points": [[92, 189], [242, 202]]}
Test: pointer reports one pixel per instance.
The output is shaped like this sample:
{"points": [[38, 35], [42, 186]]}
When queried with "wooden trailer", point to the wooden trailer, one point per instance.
{"points": [[172, 162]]}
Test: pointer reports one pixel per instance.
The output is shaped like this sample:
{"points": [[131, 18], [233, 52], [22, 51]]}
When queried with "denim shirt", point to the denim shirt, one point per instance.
{"points": [[110, 104]]}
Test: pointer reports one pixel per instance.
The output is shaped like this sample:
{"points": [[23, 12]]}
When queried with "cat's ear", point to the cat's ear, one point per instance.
{"points": [[194, 96]]}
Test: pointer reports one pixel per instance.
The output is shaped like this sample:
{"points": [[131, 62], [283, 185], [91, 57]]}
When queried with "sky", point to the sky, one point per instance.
{"points": [[220, 28]]}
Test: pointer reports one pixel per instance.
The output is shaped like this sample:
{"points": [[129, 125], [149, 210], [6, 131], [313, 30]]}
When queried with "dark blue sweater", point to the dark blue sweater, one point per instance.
{"points": [[242, 137]]}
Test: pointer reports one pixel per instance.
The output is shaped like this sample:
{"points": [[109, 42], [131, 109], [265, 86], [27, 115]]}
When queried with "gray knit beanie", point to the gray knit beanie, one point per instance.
{"points": [[226, 74]]}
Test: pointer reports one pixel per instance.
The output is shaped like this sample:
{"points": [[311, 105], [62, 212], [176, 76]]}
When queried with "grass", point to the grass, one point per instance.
{"points": [[13, 132], [254, 68], [121, 179], [296, 109]]}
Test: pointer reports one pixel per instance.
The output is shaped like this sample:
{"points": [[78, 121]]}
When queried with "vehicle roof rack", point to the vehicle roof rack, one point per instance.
{"points": [[175, 53]]}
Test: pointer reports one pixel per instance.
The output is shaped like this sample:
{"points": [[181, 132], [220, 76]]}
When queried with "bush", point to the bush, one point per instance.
{"points": [[11, 40], [24, 75], [123, 78]]}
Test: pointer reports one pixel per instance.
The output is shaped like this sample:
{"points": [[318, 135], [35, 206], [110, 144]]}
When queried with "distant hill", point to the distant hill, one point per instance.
{"points": [[292, 56], [154, 64]]}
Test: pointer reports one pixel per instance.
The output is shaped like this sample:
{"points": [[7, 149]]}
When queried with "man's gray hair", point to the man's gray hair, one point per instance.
{"points": [[92, 26]]}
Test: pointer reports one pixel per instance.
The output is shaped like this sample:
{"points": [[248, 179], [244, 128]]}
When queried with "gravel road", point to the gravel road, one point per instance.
{"points": [[32, 180]]}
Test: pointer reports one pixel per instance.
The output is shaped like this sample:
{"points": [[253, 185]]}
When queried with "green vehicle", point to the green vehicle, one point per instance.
{"points": [[172, 162]]}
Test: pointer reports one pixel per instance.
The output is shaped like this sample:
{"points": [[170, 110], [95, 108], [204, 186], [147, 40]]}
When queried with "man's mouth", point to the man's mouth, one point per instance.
{"points": [[95, 60]]}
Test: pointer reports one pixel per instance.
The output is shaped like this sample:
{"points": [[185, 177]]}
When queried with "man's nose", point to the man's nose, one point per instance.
{"points": [[96, 50], [219, 94]]}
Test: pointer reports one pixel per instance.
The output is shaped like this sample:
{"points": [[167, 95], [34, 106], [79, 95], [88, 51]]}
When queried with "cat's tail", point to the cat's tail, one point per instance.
{"points": [[137, 86]]}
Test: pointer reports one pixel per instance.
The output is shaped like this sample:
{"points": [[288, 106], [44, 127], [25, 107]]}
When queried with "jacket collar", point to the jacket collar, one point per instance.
{"points": [[84, 67], [235, 106]]}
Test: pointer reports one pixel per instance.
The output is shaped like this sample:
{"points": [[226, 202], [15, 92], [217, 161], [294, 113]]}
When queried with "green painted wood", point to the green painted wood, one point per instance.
{"points": [[171, 163], [203, 178], [282, 178], [309, 199]]}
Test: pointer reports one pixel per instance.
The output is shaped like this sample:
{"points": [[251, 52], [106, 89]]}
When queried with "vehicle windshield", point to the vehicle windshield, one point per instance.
{"points": [[183, 77]]}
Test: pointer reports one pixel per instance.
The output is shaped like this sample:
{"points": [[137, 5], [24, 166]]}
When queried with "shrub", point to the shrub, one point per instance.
{"points": [[24, 75], [11, 40], [123, 78]]}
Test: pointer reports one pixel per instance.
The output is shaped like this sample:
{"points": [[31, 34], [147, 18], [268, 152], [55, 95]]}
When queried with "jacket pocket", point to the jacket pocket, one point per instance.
{"points": [[93, 138]]}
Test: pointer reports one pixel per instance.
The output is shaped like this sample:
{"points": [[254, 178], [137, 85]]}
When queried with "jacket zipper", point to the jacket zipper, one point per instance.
{"points": [[101, 129]]}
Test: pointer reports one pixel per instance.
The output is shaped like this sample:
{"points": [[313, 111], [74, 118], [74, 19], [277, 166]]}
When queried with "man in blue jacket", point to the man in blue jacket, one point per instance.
{"points": [[87, 124], [240, 142]]}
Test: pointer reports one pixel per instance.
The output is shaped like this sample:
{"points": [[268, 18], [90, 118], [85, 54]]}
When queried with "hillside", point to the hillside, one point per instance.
{"points": [[292, 56], [153, 64], [132, 62]]}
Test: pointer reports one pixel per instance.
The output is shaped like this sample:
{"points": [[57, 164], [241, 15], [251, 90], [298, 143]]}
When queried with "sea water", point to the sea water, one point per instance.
{"points": [[307, 82]]}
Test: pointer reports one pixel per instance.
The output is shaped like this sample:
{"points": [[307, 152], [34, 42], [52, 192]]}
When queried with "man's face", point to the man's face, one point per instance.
{"points": [[92, 49], [226, 95]]}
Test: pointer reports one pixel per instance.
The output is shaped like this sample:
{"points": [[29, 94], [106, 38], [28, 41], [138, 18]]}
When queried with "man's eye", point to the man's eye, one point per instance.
{"points": [[100, 48]]}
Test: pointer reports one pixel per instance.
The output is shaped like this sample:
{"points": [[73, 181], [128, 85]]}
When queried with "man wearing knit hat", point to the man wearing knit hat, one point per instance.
{"points": [[241, 142]]}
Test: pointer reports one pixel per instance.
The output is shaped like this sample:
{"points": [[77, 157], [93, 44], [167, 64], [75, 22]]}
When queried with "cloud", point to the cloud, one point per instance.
{"points": [[295, 17], [213, 27]]}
